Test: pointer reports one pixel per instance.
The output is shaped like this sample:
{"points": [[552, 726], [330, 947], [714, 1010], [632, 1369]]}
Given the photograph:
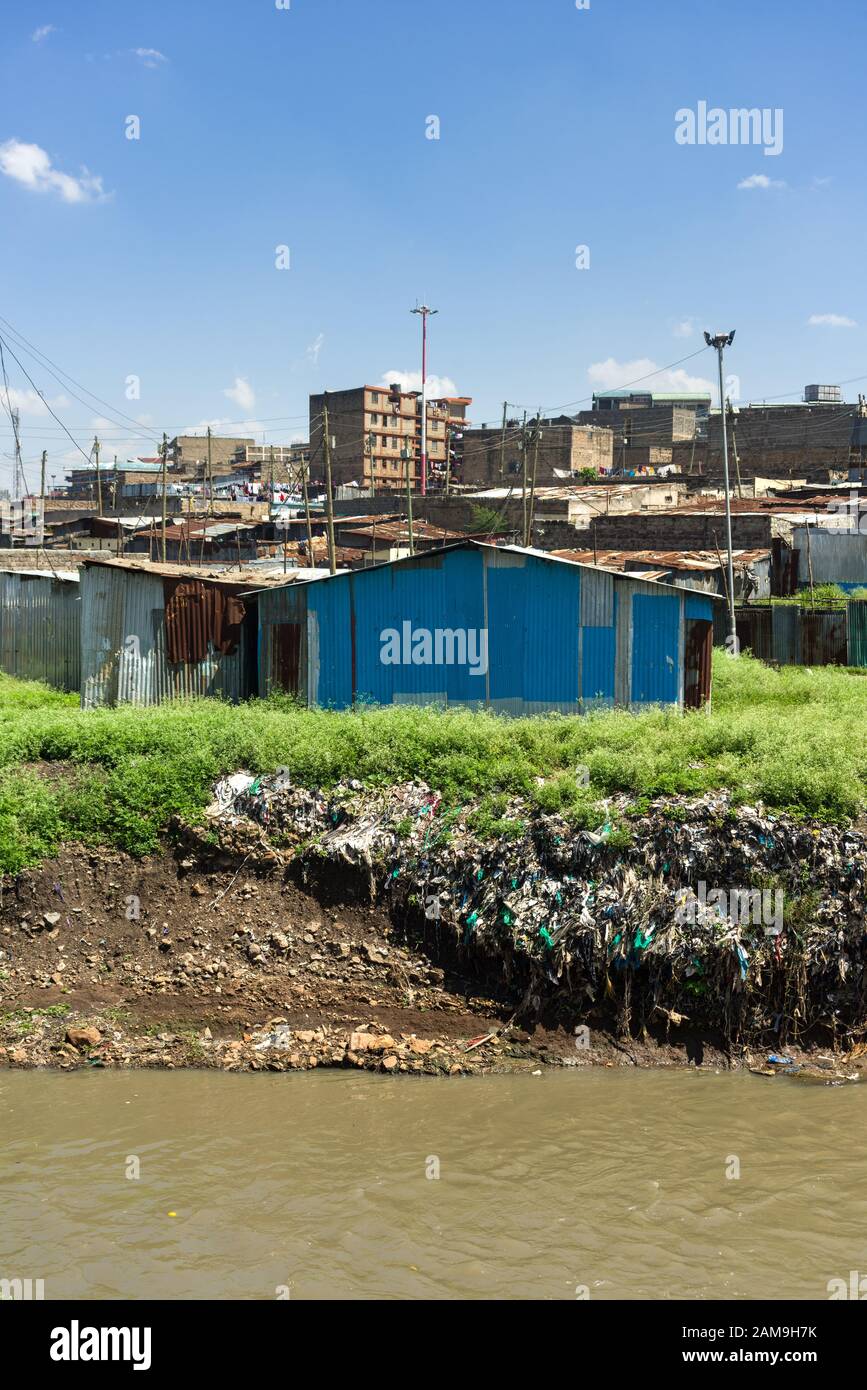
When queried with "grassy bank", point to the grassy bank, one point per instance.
{"points": [[792, 738]]}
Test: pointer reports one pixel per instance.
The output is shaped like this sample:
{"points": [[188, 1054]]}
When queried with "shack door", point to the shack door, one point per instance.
{"points": [[698, 648], [286, 657]]}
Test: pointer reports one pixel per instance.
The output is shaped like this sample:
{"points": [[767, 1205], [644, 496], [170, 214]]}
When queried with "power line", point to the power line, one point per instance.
{"points": [[44, 401]]}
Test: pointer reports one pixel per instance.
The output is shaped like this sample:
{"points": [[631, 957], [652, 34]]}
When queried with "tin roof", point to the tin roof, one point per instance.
{"points": [[466, 544], [706, 560], [68, 576], [225, 575]]}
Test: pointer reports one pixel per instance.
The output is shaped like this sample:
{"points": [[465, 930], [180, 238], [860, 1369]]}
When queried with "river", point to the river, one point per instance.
{"points": [[600, 1183]]}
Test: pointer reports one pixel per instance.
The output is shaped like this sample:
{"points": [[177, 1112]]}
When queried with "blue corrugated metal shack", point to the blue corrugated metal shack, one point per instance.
{"points": [[497, 627], [40, 626]]}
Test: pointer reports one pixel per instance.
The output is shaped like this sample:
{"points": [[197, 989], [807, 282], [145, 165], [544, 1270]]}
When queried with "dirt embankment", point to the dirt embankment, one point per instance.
{"points": [[109, 961], [295, 931]]}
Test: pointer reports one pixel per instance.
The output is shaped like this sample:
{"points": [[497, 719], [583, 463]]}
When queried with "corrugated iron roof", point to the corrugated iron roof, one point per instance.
{"points": [[67, 576], [223, 574], [548, 556], [671, 559]]}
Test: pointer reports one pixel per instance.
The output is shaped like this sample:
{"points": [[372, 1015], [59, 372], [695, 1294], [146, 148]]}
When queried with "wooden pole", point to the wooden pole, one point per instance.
{"points": [[209, 507], [164, 451], [98, 478], [329, 500], [305, 469], [532, 506], [503, 441], [810, 567], [524, 478], [409, 505]]}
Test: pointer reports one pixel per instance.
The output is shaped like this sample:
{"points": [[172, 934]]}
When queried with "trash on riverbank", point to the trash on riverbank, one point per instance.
{"points": [[737, 919]]}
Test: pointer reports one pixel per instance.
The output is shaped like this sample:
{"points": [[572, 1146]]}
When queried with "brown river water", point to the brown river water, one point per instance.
{"points": [[599, 1183]]}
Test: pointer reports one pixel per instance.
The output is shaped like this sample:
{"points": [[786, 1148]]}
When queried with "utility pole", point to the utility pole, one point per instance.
{"points": [[329, 500], [448, 454], [731, 415], [164, 449], [503, 441], [209, 488], [98, 478], [537, 437], [42, 499], [19, 486], [271, 478], [370, 443], [721, 341], [424, 310], [117, 509], [305, 468], [409, 502], [524, 476]]}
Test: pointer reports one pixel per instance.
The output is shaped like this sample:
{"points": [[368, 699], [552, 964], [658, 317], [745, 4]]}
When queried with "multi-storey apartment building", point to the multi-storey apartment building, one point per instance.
{"points": [[376, 436]]}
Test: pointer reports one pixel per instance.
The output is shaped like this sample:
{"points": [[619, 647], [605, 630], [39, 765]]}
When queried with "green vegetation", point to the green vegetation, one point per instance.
{"points": [[823, 596], [792, 738], [485, 519]]}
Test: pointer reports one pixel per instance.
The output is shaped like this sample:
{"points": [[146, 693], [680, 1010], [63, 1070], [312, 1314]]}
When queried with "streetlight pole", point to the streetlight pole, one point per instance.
{"points": [[721, 341], [424, 310]]}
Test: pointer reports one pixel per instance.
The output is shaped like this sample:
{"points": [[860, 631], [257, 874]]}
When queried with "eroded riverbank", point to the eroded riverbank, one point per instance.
{"points": [[261, 946]]}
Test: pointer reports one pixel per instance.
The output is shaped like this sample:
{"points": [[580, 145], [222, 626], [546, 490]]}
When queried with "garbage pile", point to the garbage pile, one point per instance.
{"points": [[694, 912]]}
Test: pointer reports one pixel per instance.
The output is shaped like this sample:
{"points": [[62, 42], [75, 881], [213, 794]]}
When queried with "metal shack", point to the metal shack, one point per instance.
{"points": [[40, 626], [499, 627], [151, 633]]}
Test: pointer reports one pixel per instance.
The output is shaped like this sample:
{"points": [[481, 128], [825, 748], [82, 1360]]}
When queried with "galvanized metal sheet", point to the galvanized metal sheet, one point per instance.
{"points": [[40, 628], [856, 612], [656, 655]]}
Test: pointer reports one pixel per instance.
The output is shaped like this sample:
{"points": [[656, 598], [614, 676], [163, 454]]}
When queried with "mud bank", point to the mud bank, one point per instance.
{"points": [[294, 930], [173, 962]]}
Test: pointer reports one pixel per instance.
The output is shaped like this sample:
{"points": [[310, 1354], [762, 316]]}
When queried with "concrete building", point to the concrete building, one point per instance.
{"points": [[629, 400], [492, 457], [188, 453], [794, 440], [377, 436], [117, 482]]}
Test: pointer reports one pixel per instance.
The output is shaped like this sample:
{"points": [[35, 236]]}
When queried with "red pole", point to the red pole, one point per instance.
{"points": [[424, 404]]}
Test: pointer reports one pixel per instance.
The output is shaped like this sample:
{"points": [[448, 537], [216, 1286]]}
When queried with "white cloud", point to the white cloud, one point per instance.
{"points": [[761, 181], [31, 166], [643, 371], [684, 329], [241, 393], [42, 32], [150, 57], [831, 321], [411, 381], [30, 402], [315, 348]]}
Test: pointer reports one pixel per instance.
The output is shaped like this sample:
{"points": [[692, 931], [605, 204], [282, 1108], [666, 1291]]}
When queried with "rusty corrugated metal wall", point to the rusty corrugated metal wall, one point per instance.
{"points": [[125, 649], [40, 627], [789, 634], [856, 631]]}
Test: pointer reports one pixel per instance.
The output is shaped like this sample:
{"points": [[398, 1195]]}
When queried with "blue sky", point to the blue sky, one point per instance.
{"points": [[306, 128]]}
